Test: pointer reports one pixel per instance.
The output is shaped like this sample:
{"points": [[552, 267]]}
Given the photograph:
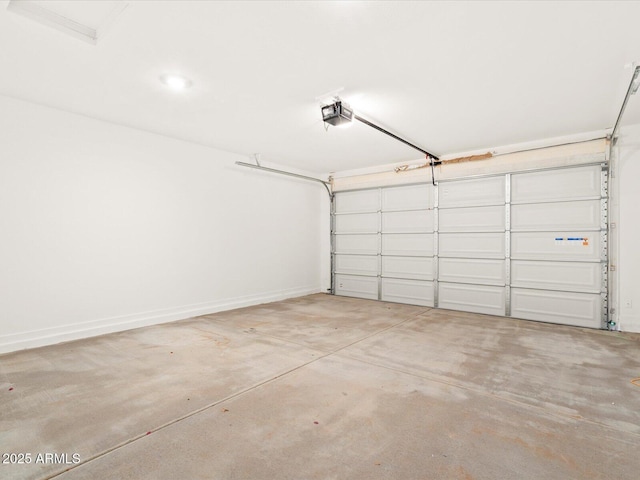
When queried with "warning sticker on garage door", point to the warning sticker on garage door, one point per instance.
{"points": [[572, 241]]}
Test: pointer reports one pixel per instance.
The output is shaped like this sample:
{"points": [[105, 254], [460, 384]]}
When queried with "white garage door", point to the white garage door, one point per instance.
{"points": [[383, 244], [558, 246], [529, 245], [356, 244], [472, 248]]}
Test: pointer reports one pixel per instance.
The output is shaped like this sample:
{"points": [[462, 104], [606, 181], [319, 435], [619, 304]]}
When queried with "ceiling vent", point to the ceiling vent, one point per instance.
{"points": [[87, 21]]}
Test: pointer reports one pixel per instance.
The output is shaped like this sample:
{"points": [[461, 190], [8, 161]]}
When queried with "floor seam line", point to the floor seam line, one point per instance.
{"points": [[286, 340], [497, 397], [230, 397], [186, 416], [374, 334]]}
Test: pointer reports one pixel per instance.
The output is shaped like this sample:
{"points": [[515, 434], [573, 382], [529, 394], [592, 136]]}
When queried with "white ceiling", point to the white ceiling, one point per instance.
{"points": [[449, 76]]}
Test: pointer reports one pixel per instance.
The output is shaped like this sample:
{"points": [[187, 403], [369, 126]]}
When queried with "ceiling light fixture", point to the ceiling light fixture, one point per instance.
{"points": [[175, 81]]}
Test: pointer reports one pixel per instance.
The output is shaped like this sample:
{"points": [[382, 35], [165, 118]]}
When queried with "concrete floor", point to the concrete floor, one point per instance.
{"points": [[324, 387]]}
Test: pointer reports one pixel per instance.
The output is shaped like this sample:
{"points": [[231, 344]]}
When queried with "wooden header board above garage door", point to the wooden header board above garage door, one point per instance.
{"points": [[530, 245]]}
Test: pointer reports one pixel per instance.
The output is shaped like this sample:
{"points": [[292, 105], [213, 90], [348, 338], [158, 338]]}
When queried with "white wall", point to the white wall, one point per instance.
{"points": [[105, 228], [628, 199]]}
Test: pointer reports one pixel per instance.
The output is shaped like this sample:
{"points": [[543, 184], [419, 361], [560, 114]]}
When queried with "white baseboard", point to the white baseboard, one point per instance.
{"points": [[76, 331]]}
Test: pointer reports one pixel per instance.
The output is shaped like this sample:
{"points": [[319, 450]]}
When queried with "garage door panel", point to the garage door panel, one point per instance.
{"points": [[556, 185], [417, 268], [360, 287], [356, 264], [409, 244], [414, 197], [567, 246], [567, 276], [472, 219], [472, 193], [569, 308], [358, 201], [418, 221], [357, 223], [472, 245], [413, 292], [527, 244], [472, 270], [356, 244], [472, 298], [583, 215]]}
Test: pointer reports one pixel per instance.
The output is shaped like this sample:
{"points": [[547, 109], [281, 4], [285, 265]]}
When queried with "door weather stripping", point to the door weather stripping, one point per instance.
{"points": [[633, 88], [289, 174]]}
